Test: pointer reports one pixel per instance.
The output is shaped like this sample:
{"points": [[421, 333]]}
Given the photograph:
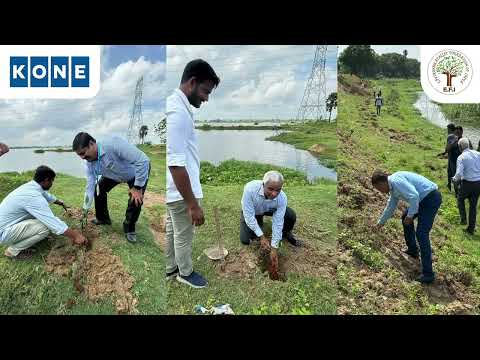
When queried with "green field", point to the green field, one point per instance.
{"points": [[44, 285], [241, 280], [373, 276]]}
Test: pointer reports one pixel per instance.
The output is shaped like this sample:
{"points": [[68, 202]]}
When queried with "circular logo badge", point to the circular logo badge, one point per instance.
{"points": [[449, 72]]}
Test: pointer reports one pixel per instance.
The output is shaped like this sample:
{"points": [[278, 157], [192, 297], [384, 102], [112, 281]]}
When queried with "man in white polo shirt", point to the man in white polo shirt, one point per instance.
{"points": [[468, 172], [183, 174]]}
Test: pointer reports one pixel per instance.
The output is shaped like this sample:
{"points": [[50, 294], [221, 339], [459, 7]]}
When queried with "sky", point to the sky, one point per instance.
{"points": [[256, 82], [56, 122], [413, 50]]}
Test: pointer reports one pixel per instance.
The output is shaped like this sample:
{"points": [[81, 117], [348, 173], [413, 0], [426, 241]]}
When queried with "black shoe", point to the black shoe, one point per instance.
{"points": [[172, 275], [469, 231], [102, 222], [411, 254], [131, 237], [293, 240], [425, 279]]}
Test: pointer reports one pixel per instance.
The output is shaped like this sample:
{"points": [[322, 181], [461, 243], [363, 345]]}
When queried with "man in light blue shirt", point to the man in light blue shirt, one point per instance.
{"points": [[267, 198], [26, 218], [424, 200], [109, 163], [468, 174]]}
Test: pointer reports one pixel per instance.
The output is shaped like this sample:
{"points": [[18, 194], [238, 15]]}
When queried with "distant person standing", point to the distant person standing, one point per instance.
{"points": [[451, 139], [378, 102], [468, 172], [3, 149], [453, 154]]}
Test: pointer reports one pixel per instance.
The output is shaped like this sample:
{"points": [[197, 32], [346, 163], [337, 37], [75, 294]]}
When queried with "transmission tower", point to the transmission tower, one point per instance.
{"points": [[136, 119], [313, 106]]}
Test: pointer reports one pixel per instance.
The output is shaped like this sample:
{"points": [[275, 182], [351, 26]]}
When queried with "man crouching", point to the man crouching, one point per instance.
{"points": [[26, 218], [267, 198]]}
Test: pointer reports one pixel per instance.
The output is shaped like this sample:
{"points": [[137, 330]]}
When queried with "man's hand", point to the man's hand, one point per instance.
{"points": [[3, 149], [264, 244], [196, 214], [62, 204], [80, 239], [408, 220], [137, 196]]}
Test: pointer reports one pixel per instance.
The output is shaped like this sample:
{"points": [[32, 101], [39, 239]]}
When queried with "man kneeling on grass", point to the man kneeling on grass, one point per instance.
{"points": [[424, 200], [267, 198], [26, 218]]}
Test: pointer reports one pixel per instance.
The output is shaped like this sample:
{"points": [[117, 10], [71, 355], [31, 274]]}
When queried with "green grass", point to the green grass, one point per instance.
{"points": [[399, 139], [304, 136], [255, 293], [28, 289]]}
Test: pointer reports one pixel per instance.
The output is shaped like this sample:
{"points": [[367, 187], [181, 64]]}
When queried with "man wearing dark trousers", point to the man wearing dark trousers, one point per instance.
{"points": [[424, 200], [262, 198], [468, 172], [109, 163], [451, 139]]}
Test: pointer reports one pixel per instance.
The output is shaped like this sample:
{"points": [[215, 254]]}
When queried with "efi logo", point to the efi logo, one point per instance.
{"points": [[45, 71], [55, 71]]}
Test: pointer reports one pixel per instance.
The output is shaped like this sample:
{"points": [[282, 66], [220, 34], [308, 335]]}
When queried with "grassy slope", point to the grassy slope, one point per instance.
{"points": [[373, 275], [305, 135], [28, 289], [253, 292]]}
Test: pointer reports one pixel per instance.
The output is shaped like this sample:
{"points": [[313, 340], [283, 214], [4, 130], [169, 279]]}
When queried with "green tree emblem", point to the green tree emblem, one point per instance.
{"points": [[451, 66]]}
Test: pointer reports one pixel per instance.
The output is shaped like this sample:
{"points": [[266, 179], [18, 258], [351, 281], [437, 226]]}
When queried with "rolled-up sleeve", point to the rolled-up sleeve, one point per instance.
{"points": [[133, 155], [277, 220], [459, 174], [177, 128], [49, 197], [38, 208], [248, 210], [90, 188]]}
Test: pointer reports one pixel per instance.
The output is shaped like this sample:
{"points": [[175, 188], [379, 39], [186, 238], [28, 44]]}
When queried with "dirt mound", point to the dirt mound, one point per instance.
{"points": [[317, 149], [158, 231], [150, 199], [353, 85]]}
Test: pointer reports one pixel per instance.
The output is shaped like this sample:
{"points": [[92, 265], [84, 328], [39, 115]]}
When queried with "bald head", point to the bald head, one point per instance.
{"points": [[463, 144]]}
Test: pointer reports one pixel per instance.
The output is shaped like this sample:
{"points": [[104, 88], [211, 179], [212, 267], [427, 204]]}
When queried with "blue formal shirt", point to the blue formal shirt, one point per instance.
{"points": [[28, 201], [254, 203], [117, 160], [409, 187]]}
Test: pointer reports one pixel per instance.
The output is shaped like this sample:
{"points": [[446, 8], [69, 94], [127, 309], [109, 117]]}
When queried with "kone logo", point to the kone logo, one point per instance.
{"points": [[55, 71], [49, 72]]}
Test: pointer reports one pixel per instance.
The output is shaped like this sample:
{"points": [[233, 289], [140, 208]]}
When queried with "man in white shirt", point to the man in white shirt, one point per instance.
{"points": [[26, 218], [468, 173], [183, 174]]}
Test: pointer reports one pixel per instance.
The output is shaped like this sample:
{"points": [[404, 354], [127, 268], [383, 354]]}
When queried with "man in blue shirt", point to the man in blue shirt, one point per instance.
{"points": [[468, 173], [424, 200], [109, 163], [26, 218], [267, 198]]}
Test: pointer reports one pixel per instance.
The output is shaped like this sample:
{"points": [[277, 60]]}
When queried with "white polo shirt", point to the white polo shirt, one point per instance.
{"points": [[182, 148]]}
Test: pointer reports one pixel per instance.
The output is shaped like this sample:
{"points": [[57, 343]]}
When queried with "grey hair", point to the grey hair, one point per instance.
{"points": [[463, 143], [272, 175]]}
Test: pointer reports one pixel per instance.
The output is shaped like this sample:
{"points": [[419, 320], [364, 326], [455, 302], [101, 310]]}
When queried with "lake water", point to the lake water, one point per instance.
{"points": [[433, 113], [216, 146], [25, 159]]}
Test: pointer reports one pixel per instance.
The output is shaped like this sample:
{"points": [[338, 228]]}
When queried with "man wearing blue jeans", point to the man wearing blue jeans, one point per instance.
{"points": [[424, 200]]}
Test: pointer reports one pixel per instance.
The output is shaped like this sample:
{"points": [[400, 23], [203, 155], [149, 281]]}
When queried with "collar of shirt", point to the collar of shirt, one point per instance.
{"points": [[36, 185], [185, 101]]}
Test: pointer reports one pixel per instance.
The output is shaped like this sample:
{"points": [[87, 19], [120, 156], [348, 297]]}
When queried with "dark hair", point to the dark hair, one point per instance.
{"points": [[379, 176], [451, 126], [81, 140], [459, 128], [42, 173], [201, 70]]}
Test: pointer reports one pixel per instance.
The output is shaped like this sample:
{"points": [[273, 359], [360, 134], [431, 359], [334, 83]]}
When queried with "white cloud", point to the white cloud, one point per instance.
{"points": [[55, 122], [257, 82]]}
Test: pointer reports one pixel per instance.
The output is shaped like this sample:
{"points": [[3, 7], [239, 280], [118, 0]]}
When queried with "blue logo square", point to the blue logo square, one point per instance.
{"points": [[18, 71], [39, 71], [80, 71], [59, 71]]}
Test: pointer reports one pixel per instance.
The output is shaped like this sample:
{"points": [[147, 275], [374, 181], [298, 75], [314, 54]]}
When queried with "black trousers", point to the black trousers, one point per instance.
{"points": [[246, 234], [101, 206], [469, 190]]}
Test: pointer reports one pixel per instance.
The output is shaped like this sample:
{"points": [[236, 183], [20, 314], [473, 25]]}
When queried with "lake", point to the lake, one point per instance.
{"points": [[216, 146]]}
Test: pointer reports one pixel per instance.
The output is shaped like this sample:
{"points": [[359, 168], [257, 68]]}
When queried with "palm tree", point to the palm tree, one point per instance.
{"points": [[143, 132], [331, 104]]}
